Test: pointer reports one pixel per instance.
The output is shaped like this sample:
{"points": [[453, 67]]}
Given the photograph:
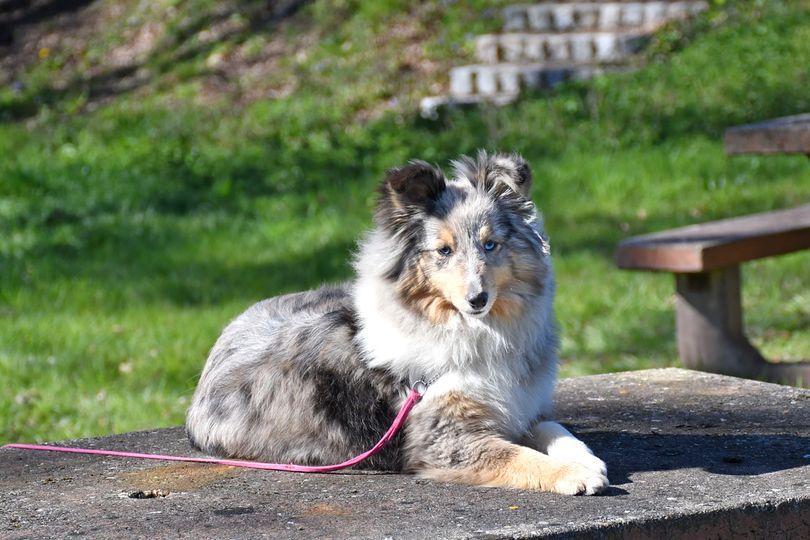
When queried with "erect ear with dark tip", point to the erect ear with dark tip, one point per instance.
{"points": [[417, 183], [523, 180], [407, 192], [507, 171]]}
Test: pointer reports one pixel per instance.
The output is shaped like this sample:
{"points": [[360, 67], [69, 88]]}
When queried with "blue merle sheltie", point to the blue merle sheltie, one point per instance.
{"points": [[454, 286]]}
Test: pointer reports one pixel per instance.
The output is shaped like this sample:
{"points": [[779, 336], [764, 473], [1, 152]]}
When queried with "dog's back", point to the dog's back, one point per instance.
{"points": [[286, 383]]}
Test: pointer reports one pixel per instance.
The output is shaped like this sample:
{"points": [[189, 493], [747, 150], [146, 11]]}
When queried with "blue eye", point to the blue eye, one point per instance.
{"points": [[445, 251], [490, 245]]}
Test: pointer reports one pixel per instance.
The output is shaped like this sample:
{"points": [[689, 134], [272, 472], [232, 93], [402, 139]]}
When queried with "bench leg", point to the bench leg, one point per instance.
{"points": [[710, 330]]}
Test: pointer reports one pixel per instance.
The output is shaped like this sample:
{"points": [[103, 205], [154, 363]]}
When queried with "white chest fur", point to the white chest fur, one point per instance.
{"points": [[511, 368]]}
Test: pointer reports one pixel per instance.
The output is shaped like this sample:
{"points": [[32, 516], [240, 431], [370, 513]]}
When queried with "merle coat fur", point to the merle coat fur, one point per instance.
{"points": [[455, 286]]}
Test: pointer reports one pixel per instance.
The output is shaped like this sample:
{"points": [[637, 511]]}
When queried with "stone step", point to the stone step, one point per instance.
{"points": [[429, 106], [580, 47], [507, 78], [689, 455], [593, 16]]}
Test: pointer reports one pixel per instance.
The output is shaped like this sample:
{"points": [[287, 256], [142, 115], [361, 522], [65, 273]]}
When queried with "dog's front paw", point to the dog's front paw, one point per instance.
{"points": [[589, 461], [578, 479]]}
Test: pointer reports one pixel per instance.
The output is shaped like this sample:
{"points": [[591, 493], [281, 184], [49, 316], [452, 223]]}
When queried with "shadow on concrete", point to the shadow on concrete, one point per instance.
{"points": [[741, 455]]}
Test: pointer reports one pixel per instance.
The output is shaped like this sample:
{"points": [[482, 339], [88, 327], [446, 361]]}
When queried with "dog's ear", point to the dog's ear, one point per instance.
{"points": [[506, 170], [416, 184], [498, 174], [408, 192], [523, 175]]}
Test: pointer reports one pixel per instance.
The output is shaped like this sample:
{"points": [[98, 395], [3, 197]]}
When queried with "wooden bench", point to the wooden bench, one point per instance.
{"points": [[706, 260], [788, 135]]}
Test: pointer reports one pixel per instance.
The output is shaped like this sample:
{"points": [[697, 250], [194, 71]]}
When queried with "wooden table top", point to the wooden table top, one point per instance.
{"points": [[786, 135], [717, 244]]}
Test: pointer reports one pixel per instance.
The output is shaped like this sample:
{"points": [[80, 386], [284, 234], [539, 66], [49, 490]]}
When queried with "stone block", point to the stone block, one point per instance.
{"points": [[689, 455], [587, 17], [632, 15], [655, 13], [486, 48], [461, 81], [535, 48], [590, 16], [582, 48], [679, 10], [540, 19], [606, 47], [509, 80], [562, 16], [512, 47], [610, 16], [515, 19], [558, 48], [486, 79]]}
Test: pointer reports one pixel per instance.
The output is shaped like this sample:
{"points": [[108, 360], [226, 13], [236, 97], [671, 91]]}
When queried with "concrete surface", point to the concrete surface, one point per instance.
{"points": [[581, 16], [690, 455]]}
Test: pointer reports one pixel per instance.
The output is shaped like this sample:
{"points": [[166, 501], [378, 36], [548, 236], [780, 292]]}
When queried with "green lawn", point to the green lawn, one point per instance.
{"points": [[133, 230]]}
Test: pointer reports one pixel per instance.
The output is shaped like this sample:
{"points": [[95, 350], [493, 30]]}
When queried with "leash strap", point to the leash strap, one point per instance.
{"points": [[413, 398]]}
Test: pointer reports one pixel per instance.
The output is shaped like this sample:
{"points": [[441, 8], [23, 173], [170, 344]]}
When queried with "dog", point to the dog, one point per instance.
{"points": [[454, 286]]}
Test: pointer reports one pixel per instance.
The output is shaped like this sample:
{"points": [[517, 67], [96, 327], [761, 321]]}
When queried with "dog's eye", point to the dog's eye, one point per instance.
{"points": [[445, 251], [490, 245]]}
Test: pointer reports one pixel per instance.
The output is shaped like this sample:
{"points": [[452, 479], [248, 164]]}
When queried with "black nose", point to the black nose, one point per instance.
{"points": [[478, 301]]}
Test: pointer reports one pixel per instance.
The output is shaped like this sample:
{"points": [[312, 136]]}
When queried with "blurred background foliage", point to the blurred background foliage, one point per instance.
{"points": [[165, 164]]}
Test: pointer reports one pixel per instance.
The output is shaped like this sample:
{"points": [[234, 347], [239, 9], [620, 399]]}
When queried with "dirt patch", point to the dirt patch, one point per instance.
{"points": [[327, 510], [179, 477], [97, 50]]}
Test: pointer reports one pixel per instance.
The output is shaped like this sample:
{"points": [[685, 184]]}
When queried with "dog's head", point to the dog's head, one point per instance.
{"points": [[471, 245]]}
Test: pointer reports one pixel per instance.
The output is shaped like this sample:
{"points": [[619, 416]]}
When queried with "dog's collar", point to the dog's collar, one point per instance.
{"points": [[421, 385]]}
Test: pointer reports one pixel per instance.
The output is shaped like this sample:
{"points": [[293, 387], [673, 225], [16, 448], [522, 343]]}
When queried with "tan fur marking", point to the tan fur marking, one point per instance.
{"points": [[519, 277], [394, 198], [492, 460], [417, 291], [527, 469], [447, 239], [450, 283], [504, 277], [523, 469], [527, 271], [484, 234], [507, 307], [460, 406]]}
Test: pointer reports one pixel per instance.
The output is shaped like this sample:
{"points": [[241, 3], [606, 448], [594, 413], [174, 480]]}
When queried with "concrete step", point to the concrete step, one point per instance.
{"points": [[689, 455], [579, 47], [593, 16], [430, 105], [508, 78]]}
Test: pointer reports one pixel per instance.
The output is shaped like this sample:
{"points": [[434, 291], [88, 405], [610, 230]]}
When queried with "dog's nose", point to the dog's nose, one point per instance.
{"points": [[478, 301]]}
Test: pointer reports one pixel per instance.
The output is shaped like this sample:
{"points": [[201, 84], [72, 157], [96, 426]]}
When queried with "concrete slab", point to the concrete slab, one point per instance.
{"points": [[577, 48], [504, 78], [690, 455], [590, 16]]}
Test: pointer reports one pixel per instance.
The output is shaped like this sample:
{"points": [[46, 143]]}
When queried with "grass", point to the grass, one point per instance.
{"points": [[135, 226]]}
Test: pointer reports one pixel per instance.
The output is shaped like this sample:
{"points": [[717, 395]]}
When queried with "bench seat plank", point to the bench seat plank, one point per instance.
{"points": [[718, 244], [786, 135]]}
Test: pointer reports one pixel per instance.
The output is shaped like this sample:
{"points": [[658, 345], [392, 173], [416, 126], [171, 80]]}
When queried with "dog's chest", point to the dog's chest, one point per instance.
{"points": [[512, 378], [516, 400]]}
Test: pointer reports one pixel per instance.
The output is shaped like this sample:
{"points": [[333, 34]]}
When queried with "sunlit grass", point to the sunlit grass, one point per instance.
{"points": [[131, 235]]}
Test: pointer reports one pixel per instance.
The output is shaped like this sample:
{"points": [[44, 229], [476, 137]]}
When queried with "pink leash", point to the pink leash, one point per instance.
{"points": [[413, 398]]}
